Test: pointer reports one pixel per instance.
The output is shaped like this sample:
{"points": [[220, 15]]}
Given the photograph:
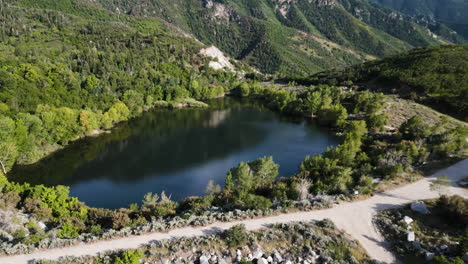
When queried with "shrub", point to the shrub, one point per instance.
{"points": [[119, 220], [257, 202], [8, 200], [68, 230], [129, 257], [444, 260], [100, 216], [95, 230], [454, 208], [236, 235], [196, 204], [19, 234]]}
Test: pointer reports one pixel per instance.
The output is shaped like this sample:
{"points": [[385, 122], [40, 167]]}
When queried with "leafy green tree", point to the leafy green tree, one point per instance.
{"points": [[326, 174], [244, 89], [89, 121], [414, 128], [134, 101], [377, 122], [313, 101], [334, 115], [265, 171], [8, 148], [117, 113]]}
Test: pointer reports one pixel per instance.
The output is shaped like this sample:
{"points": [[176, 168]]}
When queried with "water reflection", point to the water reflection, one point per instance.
{"points": [[176, 151]]}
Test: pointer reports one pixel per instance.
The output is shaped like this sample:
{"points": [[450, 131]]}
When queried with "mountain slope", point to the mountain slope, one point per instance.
{"points": [[437, 76], [438, 14], [71, 73], [286, 37]]}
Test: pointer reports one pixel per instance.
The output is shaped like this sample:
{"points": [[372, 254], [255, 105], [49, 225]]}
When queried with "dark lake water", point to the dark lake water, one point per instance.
{"points": [[176, 151]]}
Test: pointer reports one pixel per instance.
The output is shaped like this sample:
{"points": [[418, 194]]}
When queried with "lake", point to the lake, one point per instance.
{"points": [[176, 151]]}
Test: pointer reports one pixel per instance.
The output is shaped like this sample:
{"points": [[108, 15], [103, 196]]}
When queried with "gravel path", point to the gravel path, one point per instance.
{"points": [[355, 218]]}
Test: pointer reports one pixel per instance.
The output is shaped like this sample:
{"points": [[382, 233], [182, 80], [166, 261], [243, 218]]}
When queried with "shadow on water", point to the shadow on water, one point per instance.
{"points": [[175, 150]]}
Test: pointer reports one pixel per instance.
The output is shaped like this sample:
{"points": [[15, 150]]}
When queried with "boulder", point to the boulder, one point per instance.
{"points": [[204, 260], [270, 259], [41, 225], [465, 257], [262, 261], [411, 237], [277, 257], [238, 252], [257, 254], [376, 180], [214, 258], [430, 256], [420, 208], [417, 245], [443, 248], [408, 220]]}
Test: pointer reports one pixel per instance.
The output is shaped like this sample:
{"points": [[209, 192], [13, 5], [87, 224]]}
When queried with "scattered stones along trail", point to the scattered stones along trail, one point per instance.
{"points": [[355, 218]]}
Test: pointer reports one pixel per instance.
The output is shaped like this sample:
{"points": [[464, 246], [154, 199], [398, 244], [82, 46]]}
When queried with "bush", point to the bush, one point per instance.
{"points": [[236, 235], [454, 208], [68, 230], [257, 202], [119, 220], [95, 230], [9, 200], [129, 257], [444, 260]]}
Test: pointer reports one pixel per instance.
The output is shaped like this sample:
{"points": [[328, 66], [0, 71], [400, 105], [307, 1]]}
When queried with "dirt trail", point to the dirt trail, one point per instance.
{"points": [[355, 218]]}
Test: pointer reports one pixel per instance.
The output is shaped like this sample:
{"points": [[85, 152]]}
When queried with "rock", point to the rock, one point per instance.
{"points": [[411, 237], [204, 260], [262, 261], [376, 180], [408, 220], [465, 257], [257, 254], [443, 247], [430, 256], [41, 225], [356, 192], [214, 258], [277, 257], [417, 245], [270, 259], [420, 208], [238, 253]]}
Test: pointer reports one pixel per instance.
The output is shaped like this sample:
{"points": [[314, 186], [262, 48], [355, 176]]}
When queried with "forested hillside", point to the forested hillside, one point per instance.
{"points": [[68, 74], [286, 37], [437, 76], [438, 15]]}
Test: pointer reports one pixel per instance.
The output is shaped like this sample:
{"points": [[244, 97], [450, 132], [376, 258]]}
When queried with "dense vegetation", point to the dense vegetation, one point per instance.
{"points": [[439, 15], [437, 76], [443, 232], [287, 37], [64, 77], [72, 70], [363, 155]]}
